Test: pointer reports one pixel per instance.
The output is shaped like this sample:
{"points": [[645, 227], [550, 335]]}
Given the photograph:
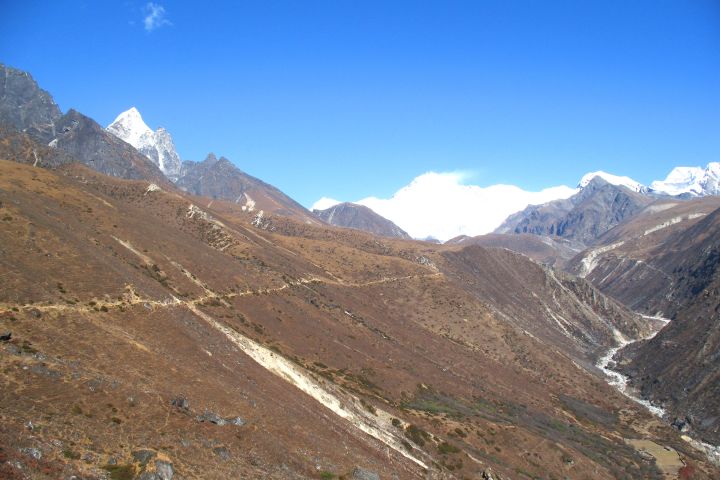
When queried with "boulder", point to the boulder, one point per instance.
{"points": [[222, 452], [180, 402], [164, 470], [211, 417], [239, 421], [362, 474], [143, 457]]}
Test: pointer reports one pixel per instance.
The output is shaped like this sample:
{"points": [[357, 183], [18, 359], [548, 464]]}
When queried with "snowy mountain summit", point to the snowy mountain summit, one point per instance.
{"points": [[157, 146], [691, 181], [613, 180]]}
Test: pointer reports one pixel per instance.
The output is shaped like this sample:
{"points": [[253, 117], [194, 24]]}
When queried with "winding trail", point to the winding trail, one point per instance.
{"points": [[376, 423]]}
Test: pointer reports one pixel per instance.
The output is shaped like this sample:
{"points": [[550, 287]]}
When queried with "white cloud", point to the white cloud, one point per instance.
{"points": [[438, 205], [154, 17], [324, 203]]}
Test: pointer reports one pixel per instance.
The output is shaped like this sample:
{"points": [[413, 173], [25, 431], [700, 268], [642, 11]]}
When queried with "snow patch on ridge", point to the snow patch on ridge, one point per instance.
{"points": [[613, 180], [692, 181]]}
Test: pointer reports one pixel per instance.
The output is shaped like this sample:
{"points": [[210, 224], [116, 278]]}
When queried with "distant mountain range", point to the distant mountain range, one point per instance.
{"points": [[682, 181]]}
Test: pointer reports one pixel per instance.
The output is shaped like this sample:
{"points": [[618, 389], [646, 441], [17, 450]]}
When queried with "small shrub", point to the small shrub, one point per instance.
{"points": [[72, 455], [120, 472], [327, 475], [369, 407], [76, 410], [446, 448], [416, 434], [396, 423]]}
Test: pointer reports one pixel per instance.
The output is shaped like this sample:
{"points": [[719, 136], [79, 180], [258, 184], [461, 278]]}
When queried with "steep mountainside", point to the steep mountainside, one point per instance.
{"points": [[680, 367], [352, 215], [143, 332], [22, 148], [157, 145], [546, 250], [664, 262], [560, 309], [220, 179], [25, 106], [582, 218], [640, 261]]}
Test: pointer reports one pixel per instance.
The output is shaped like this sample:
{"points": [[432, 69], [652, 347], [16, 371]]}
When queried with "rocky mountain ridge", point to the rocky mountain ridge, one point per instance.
{"points": [[582, 218], [352, 215], [128, 148]]}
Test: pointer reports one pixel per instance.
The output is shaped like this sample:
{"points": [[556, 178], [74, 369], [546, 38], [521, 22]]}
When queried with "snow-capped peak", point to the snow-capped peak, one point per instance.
{"points": [[130, 127], [613, 180], [694, 181], [157, 146]]}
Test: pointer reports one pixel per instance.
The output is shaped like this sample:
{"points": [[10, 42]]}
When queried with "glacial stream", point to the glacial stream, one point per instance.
{"points": [[620, 382]]}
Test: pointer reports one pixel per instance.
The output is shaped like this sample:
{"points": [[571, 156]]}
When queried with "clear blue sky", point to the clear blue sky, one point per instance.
{"points": [[355, 98]]}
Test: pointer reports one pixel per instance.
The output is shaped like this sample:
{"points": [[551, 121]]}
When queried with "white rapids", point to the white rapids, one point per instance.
{"points": [[620, 381]]}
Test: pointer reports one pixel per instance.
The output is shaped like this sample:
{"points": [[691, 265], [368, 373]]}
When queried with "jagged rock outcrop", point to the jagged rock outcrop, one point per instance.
{"points": [[25, 106]]}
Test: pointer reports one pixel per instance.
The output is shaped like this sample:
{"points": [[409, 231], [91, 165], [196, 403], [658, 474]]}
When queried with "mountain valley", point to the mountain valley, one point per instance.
{"points": [[163, 318]]}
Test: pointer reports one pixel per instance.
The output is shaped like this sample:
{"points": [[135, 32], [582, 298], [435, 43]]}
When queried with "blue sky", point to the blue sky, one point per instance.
{"points": [[348, 99]]}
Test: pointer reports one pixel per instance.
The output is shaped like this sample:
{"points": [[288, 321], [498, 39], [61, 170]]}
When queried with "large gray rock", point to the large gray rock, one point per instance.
{"points": [[164, 470], [222, 452], [211, 417], [143, 457], [362, 474]]}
